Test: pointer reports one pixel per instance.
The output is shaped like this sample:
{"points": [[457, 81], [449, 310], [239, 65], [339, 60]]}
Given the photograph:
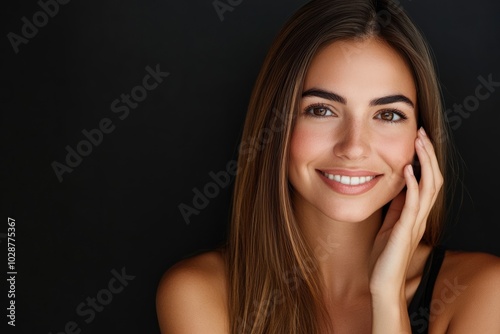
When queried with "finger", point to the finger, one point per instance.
{"points": [[435, 171], [428, 184], [409, 212], [438, 176], [411, 207]]}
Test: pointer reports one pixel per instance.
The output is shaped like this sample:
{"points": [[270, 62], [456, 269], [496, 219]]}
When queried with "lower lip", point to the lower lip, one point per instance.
{"points": [[348, 189]]}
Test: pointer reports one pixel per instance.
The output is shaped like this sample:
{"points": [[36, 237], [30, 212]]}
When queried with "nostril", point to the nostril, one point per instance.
{"points": [[351, 149]]}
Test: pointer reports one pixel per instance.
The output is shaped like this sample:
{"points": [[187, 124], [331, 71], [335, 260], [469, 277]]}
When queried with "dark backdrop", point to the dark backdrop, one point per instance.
{"points": [[92, 243]]}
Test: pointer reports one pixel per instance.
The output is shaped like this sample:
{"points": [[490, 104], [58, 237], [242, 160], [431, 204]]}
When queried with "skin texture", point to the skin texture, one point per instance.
{"points": [[381, 260]]}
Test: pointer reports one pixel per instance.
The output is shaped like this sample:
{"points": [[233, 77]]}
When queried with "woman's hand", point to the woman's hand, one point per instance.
{"points": [[398, 238]]}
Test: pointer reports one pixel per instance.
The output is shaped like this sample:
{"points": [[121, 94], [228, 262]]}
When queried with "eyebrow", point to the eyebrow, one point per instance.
{"points": [[391, 99], [324, 95], [375, 102]]}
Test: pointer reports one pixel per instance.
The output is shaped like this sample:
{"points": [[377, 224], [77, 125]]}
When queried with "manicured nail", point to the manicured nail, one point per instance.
{"points": [[422, 131]]}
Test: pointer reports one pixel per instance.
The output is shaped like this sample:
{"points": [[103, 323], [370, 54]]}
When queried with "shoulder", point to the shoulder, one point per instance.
{"points": [[192, 296], [467, 293]]}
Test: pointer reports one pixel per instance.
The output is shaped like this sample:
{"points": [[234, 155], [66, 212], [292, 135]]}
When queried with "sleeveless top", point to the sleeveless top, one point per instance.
{"points": [[419, 307]]}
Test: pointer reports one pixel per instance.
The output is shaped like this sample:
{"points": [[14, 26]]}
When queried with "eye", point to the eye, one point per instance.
{"points": [[318, 110], [392, 116]]}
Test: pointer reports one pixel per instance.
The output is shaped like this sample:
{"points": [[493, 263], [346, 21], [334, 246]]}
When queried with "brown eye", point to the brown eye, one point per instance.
{"points": [[392, 116], [387, 115], [319, 111]]}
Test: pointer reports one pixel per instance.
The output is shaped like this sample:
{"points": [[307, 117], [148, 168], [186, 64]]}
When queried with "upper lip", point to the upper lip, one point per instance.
{"points": [[348, 172]]}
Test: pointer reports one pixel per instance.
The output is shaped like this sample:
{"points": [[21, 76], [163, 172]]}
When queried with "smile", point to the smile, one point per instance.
{"points": [[349, 180]]}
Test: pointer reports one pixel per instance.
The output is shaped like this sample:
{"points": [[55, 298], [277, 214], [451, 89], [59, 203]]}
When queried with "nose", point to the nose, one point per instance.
{"points": [[352, 141]]}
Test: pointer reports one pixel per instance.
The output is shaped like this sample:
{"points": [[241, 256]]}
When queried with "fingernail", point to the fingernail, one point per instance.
{"points": [[420, 142], [410, 169], [422, 131]]}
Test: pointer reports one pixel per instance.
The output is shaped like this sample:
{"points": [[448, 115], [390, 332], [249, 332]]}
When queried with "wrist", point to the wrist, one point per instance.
{"points": [[390, 314], [391, 292]]}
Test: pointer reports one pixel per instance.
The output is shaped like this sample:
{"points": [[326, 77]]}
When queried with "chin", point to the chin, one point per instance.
{"points": [[349, 217], [346, 214]]}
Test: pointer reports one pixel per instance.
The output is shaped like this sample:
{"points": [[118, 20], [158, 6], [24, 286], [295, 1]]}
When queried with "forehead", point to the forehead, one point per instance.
{"points": [[361, 68]]}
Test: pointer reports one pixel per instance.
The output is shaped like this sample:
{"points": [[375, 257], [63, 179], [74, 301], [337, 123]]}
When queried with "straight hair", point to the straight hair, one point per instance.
{"points": [[272, 272]]}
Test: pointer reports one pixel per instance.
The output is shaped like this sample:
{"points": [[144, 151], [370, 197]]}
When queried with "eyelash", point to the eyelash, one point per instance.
{"points": [[401, 114], [311, 107], [314, 106]]}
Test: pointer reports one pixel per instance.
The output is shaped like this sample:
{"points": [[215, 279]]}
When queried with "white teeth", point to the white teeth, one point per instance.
{"points": [[349, 180], [355, 180]]}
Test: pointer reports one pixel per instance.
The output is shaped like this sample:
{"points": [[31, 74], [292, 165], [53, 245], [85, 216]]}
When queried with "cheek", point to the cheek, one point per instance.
{"points": [[306, 145], [400, 152]]}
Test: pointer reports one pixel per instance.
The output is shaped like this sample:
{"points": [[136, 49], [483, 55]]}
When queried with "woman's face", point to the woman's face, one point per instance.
{"points": [[355, 130]]}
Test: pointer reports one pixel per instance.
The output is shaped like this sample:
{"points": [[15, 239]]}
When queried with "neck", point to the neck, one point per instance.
{"points": [[342, 250]]}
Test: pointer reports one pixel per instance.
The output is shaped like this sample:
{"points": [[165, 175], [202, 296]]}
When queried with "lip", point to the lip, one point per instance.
{"points": [[347, 189]]}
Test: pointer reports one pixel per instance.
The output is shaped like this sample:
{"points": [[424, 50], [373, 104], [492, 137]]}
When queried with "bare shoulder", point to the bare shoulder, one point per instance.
{"points": [[192, 296], [466, 297]]}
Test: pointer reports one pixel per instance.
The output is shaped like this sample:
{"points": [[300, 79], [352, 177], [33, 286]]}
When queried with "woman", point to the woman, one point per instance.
{"points": [[339, 198]]}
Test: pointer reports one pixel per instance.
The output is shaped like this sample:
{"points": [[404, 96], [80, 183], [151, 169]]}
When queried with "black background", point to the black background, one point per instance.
{"points": [[119, 207]]}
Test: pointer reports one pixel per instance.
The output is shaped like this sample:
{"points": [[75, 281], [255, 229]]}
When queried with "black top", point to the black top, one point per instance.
{"points": [[419, 308]]}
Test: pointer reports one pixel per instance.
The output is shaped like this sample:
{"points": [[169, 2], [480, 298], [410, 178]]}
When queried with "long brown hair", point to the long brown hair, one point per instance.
{"points": [[273, 283]]}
